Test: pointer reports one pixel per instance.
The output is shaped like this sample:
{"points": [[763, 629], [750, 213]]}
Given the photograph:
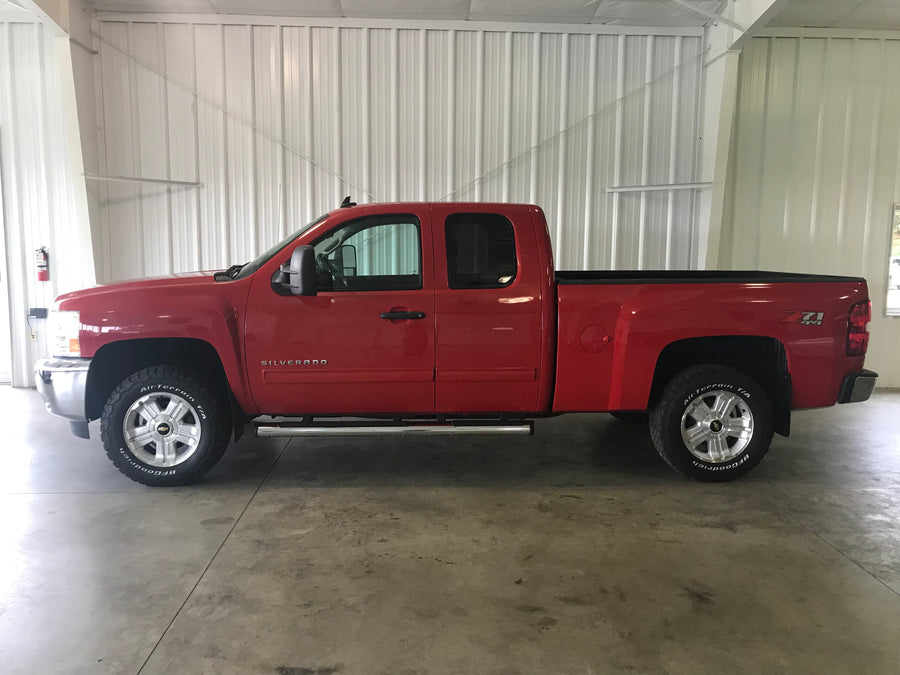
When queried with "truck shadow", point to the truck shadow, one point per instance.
{"points": [[567, 451]]}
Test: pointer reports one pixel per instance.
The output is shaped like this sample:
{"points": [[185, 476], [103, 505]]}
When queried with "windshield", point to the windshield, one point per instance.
{"points": [[261, 260]]}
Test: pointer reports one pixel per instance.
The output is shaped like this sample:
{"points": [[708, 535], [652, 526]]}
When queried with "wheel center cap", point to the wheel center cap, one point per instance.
{"points": [[163, 428], [715, 426]]}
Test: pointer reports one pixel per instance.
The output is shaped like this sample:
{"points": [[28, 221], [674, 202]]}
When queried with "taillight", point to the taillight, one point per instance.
{"points": [[857, 335]]}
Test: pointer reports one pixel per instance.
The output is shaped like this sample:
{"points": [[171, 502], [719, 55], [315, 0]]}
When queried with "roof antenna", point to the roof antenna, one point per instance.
{"points": [[346, 204]]}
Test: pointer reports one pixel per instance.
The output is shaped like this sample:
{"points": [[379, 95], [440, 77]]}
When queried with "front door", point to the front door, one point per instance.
{"points": [[365, 342]]}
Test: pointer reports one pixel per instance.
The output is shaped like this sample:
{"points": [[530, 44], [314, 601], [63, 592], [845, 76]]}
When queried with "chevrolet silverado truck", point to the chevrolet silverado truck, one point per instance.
{"points": [[447, 318]]}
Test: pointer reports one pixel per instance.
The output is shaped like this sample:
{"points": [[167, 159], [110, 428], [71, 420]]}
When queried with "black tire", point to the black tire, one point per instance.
{"points": [[192, 432], [729, 439], [637, 417]]}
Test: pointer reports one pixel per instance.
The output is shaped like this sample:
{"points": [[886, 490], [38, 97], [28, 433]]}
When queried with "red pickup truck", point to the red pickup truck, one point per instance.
{"points": [[447, 318]]}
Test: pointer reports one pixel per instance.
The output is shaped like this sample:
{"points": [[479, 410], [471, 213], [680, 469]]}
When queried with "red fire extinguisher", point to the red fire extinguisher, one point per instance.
{"points": [[42, 262]]}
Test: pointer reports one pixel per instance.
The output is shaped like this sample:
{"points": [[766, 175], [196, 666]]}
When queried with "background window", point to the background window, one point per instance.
{"points": [[374, 254], [481, 251]]}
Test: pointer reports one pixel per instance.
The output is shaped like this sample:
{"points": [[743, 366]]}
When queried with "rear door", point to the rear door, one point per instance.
{"points": [[365, 342], [488, 341]]}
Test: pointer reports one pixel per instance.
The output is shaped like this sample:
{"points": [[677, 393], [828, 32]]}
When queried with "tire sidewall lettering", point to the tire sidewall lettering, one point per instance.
{"points": [[740, 391], [723, 467], [190, 398], [143, 467]]}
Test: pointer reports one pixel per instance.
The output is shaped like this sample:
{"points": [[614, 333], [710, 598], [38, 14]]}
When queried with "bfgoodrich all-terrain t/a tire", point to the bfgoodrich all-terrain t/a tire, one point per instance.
{"points": [[712, 423], [163, 426]]}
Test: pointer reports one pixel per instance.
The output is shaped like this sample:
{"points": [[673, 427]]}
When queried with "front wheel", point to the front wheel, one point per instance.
{"points": [[162, 426], [712, 423]]}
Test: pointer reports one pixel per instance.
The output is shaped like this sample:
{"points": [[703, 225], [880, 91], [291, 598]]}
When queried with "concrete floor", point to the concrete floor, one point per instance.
{"points": [[576, 551]]}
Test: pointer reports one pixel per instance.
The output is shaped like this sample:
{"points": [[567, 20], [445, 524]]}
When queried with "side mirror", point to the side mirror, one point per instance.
{"points": [[348, 260], [302, 271]]}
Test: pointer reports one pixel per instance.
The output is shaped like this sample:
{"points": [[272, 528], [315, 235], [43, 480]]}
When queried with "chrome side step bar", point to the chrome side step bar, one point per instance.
{"points": [[524, 429]]}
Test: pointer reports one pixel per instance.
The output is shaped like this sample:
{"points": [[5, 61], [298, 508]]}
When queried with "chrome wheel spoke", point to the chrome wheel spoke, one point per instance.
{"points": [[716, 448], [699, 410], [165, 451], [695, 436], [140, 436], [177, 409], [739, 427], [149, 410], [187, 434], [725, 401]]}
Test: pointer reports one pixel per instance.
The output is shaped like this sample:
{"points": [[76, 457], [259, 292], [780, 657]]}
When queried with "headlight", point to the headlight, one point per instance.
{"points": [[64, 327]]}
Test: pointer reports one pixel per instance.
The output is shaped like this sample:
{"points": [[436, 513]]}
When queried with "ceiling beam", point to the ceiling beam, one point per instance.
{"points": [[598, 6], [847, 13], [52, 13], [715, 16], [756, 15]]}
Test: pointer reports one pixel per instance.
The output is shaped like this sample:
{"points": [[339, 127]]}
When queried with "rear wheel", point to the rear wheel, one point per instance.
{"points": [[712, 422], [162, 426]]}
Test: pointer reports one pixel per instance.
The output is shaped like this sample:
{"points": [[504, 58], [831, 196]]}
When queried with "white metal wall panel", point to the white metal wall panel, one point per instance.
{"points": [[816, 167], [38, 190], [240, 142], [181, 130], [212, 153], [279, 122]]}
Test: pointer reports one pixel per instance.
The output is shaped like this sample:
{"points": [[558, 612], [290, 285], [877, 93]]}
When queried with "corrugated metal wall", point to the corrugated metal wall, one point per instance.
{"points": [[38, 202], [279, 122], [816, 167]]}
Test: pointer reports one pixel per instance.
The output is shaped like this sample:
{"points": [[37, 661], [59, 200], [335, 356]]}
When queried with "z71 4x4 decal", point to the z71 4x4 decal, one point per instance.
{"points": [[804, 318]]}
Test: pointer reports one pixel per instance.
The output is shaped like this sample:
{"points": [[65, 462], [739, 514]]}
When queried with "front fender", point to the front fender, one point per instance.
{"points": [[208, 312]]}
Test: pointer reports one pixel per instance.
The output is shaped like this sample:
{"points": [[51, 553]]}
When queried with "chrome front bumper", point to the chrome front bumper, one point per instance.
{"points": [[62, 384]]}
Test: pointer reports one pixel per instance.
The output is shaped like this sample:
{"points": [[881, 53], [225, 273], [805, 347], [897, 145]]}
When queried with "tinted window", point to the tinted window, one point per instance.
{"points": [[373, 254], [481, 251]]}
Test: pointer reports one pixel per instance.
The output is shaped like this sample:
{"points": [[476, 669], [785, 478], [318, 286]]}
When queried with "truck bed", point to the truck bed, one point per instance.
{"points": [[614, 327], [694, 277]]}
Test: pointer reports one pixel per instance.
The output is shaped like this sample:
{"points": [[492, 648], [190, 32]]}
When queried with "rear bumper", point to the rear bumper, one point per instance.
{"points": [[857, 387], [62, 384]]}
